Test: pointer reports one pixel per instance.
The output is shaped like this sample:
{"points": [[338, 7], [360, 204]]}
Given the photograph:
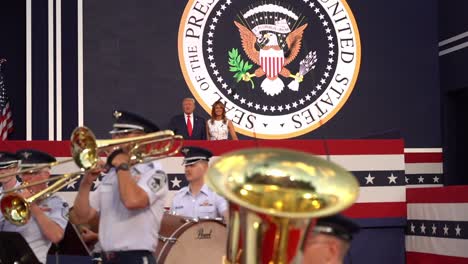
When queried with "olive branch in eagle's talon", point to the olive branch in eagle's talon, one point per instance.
{"points": [[240, 67]]}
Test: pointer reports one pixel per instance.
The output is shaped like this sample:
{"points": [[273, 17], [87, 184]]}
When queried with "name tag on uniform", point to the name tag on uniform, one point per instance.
{"points": [[179, 207], [206, 203]]}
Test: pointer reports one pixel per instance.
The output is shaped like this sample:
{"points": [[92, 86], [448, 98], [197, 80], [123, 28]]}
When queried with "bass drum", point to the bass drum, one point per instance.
{"points": [[183, 240]]}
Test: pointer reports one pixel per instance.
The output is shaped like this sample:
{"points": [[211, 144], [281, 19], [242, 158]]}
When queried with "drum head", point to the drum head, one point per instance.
{"points": [[197, 242]]}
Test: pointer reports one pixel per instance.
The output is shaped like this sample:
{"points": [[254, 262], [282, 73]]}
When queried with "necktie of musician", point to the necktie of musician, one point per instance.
{"points": [[189, 126]]}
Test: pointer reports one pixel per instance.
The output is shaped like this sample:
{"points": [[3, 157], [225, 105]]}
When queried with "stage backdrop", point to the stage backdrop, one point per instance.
{"points": [[132, 60], [90, 57]]}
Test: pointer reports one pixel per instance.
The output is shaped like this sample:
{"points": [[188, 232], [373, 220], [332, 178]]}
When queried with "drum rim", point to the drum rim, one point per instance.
{"points": [[166, 248]]}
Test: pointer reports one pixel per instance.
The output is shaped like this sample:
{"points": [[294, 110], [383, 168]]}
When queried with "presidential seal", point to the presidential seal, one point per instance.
{"points": [[281, 68]]}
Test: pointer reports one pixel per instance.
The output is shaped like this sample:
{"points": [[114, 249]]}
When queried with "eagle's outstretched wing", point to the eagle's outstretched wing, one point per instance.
{"points": [[294, 42], [248, 43]]}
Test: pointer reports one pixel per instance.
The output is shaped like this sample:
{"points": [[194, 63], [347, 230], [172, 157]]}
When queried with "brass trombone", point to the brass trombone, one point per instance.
{"points": [[85, 150], [36, 168], [269, 187]]}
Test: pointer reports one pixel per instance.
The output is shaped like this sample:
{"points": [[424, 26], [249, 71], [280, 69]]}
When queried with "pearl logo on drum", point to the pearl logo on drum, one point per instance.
{"points": [[202, 235]]}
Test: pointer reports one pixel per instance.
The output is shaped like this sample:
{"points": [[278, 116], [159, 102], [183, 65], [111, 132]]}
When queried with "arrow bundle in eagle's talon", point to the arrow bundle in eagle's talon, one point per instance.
{"points": [[305, 65]]}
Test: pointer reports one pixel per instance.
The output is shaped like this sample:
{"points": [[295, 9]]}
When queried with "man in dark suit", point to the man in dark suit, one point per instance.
{"points": [[188, 125]]}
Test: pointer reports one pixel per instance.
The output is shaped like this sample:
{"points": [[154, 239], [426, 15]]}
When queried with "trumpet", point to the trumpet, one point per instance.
{"points": [[85, 150], [276, 190]]}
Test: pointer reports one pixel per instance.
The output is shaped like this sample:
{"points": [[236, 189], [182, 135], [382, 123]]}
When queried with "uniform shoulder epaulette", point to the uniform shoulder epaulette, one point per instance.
{"points": [[182, 190]]}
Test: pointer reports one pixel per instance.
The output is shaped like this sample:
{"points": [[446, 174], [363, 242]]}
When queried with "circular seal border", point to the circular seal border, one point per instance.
{"points": [[253, 134]]}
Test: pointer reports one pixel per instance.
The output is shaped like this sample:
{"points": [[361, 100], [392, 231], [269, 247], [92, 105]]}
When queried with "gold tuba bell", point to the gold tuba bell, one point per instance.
{"points": [[85, 151], [273, 195]]}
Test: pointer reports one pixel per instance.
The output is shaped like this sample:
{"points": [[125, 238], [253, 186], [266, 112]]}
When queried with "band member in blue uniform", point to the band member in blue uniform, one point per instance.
{"points": [[48, 216], [329, 241], [9, 163], [197, 200], [129, 199]]}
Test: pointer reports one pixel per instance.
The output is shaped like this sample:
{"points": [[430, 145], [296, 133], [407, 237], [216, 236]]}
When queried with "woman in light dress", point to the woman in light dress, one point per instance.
{"points": [[218, 127]]}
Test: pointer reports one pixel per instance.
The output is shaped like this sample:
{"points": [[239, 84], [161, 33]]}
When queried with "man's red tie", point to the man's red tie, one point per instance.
{"points": [[189, 126]]}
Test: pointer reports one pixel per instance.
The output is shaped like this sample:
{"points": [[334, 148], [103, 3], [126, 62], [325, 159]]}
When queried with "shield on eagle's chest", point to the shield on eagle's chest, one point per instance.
{"points": [[272, 62]]}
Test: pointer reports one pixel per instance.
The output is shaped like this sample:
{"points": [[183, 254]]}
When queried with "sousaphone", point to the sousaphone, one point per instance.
{"points": [[273, 195]]}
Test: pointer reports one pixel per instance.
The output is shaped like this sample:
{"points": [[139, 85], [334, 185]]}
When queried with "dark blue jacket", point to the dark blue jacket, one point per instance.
{"points": [[178, 125]]}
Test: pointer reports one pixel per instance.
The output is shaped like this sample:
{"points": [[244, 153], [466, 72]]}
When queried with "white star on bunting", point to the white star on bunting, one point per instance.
{"points": [[446, 230], [420, 179], [423, 228], [71, 185], [391, 179], [458, 230], [97, 182], [369, 179], [176, 182]]}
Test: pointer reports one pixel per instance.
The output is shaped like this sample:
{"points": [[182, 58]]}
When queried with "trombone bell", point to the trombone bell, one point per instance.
{"points": [[15, 209]]}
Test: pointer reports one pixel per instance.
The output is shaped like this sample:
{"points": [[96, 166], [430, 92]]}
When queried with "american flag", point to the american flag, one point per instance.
{"points": [[437, 227], [6, 120]]}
